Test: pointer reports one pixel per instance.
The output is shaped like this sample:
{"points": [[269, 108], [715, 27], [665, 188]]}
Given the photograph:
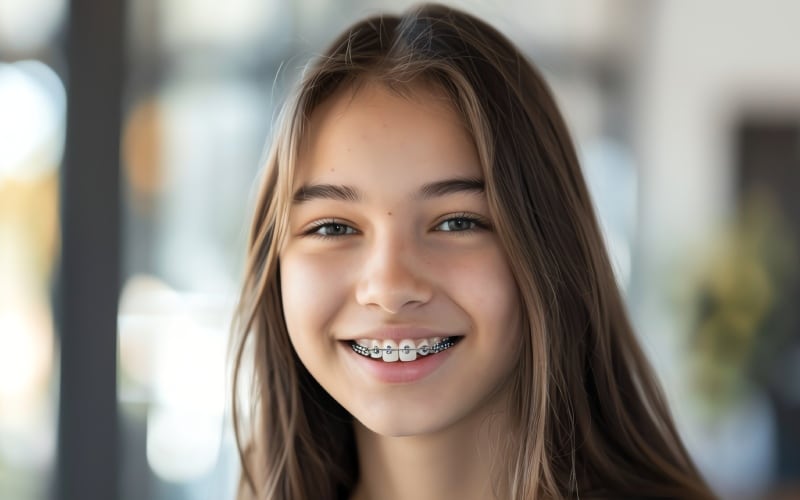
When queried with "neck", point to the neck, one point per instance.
{"points": [[457, 462]]}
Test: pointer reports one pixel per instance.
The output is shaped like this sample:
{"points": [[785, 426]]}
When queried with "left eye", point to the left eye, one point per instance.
{"points": [[333, 229], [458, 224]]}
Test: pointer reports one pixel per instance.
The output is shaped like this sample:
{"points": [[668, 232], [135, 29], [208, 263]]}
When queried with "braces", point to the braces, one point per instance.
{"points": [[440, 346]]}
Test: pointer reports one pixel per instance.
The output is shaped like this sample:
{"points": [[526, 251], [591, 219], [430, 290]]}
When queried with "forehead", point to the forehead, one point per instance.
{"points": [[369, 128]]}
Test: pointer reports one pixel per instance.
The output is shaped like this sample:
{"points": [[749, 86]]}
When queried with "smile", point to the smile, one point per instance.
{"points": [[406, 350]]}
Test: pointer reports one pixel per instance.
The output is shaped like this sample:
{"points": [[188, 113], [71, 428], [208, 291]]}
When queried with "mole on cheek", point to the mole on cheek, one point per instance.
{"points": [[389, 213]]}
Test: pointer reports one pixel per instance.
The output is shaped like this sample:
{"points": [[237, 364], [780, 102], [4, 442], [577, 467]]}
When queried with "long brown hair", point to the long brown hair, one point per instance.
{"points": [[588, 417]]}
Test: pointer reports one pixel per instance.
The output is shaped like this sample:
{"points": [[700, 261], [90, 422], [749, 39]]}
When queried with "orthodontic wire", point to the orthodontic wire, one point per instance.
{"points": [[438, 347]]}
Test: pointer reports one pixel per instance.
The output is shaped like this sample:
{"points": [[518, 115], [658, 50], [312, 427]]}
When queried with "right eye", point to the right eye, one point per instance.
{"points": [[330, 229]]}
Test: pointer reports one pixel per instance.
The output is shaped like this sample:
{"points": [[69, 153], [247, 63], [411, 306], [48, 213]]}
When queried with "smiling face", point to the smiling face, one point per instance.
{"points": [[390, 240]]}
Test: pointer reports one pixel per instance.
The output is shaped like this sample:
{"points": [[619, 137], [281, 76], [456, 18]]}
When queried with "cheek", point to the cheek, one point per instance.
{"points": [[311, 293], [488, 293], [507, 296]]}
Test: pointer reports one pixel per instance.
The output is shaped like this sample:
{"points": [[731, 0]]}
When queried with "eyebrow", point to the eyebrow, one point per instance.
{"points": [[451, 186], [325, 192], [436, 189]]}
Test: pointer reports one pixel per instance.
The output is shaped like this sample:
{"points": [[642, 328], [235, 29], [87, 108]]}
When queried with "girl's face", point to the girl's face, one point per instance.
{"points": [[390, 245]]}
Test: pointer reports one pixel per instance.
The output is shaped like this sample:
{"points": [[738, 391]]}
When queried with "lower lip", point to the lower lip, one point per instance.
{"points": [[400, 372]]}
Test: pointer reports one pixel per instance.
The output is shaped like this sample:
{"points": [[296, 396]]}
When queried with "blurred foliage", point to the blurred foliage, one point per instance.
{"points": [[739, 315]]}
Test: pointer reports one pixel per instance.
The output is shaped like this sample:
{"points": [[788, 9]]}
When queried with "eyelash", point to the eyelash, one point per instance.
{"points": [[476, 224], [328, 223]]}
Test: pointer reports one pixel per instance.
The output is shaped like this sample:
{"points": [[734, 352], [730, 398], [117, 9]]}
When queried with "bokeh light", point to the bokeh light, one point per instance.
{"points": [[26, 25], [33, 101], [235, 24], [32, 127], [172, 360]]}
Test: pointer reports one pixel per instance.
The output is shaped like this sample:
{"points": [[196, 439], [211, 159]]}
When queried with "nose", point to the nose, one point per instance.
{"points": [[393, 277]]}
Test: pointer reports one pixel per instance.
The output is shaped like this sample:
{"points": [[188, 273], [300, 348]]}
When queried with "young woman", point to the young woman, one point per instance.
{"points": [[429, 311]]}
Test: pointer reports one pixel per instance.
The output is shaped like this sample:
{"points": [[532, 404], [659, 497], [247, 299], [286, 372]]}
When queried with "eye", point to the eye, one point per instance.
{"points": [[328, 229], [460, 223]]}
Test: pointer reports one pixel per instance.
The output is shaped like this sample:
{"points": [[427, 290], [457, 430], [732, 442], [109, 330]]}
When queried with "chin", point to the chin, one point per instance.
{"points": [[404, 429], [399, 423]]}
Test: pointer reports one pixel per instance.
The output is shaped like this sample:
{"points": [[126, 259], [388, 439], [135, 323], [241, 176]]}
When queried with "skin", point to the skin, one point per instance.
{"points": [[396, 258]]}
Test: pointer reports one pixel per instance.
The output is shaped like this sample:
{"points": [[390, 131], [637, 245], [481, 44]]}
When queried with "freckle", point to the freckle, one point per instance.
{"points": [[333, 170], [388, 213]]}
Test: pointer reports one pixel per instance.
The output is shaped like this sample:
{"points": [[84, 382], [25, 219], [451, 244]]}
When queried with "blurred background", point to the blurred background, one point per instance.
{"points": [[131, 134]]}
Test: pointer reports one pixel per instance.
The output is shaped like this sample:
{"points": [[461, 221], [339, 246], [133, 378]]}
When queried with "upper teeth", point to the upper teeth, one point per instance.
{"points": [[405, 350]]}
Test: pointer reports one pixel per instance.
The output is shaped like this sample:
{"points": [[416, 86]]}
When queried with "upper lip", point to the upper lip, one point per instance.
{"points": [[399, 333]]}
